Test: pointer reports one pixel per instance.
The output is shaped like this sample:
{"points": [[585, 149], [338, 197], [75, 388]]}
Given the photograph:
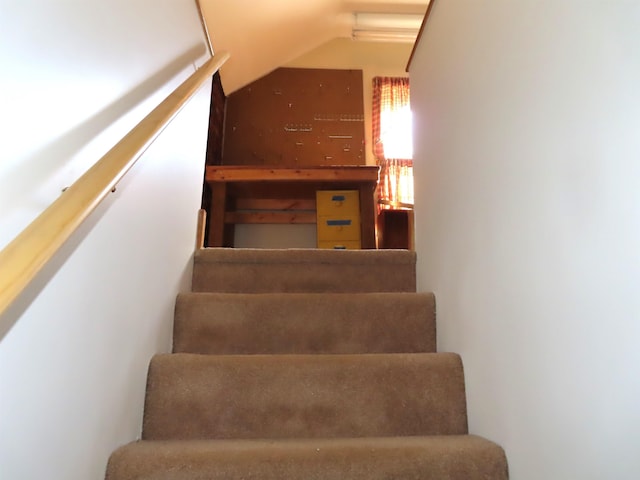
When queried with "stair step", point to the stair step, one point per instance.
{"points": [[453, 457], [239, 270], [304, 323], [193, 396]]}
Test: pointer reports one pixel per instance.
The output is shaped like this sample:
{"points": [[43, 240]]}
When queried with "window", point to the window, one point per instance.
{"points": [[393, 142]]}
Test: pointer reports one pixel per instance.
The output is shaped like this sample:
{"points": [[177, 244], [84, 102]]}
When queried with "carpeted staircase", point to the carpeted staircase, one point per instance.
{"points": [[306, 365]]}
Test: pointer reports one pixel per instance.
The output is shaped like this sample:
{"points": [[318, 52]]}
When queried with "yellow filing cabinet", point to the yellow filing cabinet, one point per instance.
{"points": [[338, 219]]}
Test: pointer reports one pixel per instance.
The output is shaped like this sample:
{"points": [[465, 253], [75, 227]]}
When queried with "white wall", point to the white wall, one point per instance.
{"points": [[263, 35], [74, 78], [528, 224]]}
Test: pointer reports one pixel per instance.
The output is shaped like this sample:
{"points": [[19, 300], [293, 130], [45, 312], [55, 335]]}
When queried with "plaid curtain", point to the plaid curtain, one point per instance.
{"points": [[390, 96]]}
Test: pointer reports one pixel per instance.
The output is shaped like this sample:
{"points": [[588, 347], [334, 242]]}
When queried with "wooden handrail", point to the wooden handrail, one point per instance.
{"points": [[29, 252]]}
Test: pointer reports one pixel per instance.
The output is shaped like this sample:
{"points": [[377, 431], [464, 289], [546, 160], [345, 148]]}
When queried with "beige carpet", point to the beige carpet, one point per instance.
{"points": [[306, 364], [240, 270], [238, 323]]}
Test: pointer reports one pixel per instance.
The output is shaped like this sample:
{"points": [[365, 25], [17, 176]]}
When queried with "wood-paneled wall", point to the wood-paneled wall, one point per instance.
{"points": [[297, 117]]}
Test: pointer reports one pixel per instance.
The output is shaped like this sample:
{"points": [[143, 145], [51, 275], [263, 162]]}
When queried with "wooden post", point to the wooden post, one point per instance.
{"points": [[202, 221], [367, 216], [218, 207]]}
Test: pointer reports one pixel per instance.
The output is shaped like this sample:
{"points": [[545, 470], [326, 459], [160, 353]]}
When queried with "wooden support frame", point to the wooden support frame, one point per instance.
{"points": [[243, 194]]}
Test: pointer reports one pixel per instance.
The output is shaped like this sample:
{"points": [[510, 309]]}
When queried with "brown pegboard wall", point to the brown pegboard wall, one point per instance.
{"points": [[297, 117]]}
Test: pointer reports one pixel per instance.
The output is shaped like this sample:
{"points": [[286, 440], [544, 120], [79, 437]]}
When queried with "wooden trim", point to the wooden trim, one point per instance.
{"points": [[270, 217], [314, 174], [29, 252], [419, 37], [204, 27], [411, 226], [200, 230]]}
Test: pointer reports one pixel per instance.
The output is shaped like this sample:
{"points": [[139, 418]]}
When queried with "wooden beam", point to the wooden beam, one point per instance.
{"points": [[270, 217], [275, 204]]}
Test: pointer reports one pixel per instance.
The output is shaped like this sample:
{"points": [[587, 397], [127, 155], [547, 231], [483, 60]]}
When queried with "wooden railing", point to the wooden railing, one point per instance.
{"points": [[29, 252]]}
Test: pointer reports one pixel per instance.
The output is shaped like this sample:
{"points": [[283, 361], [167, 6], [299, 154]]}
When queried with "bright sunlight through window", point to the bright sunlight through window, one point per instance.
{"points": [[396, 132]]}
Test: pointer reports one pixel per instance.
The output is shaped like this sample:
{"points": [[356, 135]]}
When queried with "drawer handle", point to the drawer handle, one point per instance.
{"points": [[338, 198], [339, 247], [338, 223]]}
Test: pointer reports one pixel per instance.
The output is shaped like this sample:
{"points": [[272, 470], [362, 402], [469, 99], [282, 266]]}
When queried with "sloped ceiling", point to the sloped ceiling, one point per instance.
{"points": [[262, 35]]}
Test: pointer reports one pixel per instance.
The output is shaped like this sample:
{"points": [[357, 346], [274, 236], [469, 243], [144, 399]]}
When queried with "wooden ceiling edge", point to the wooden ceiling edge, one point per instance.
{"points": [[205, 29], [419, 37]]}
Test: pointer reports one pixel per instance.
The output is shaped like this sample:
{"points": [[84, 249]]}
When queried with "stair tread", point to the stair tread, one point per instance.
{"points": [[452, 457], [303, 270], [313, 371], [193, 396], [260, 323], [304, 255]]}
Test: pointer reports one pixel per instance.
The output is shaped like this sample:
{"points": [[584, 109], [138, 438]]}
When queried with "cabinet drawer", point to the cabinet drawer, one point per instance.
{"points": [[342, 203], [331, 228], [346, 245]]}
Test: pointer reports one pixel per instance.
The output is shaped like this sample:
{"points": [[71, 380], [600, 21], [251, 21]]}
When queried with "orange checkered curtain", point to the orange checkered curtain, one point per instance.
{"points": [[392, 142]]}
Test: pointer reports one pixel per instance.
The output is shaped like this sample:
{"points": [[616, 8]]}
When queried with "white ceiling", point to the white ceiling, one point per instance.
{"points": [[262, 35]]}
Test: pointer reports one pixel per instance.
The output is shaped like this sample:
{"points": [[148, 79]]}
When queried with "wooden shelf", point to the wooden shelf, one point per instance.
{"points": [[350, 173]]}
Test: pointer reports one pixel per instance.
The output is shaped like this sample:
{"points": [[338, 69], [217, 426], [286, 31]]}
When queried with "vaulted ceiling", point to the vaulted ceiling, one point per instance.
{"points": [[262, 35]]}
